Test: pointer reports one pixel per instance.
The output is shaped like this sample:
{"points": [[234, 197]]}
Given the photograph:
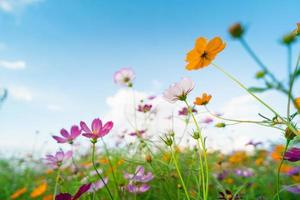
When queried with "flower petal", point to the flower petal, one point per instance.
{"points": [[64, 133], [96, 125], [215, 46], [84, 127], [59, 139]]}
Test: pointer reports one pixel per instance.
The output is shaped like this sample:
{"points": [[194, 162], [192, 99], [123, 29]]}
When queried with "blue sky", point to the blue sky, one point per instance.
{"points": [[71, 49]]}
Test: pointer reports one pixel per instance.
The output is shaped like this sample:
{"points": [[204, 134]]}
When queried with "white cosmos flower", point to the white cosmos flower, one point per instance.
{"points": [[179, 90], [124, 77]]}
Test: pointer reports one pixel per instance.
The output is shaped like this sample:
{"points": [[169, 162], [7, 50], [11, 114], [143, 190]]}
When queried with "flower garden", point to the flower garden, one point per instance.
{"points": [[163, 167]]}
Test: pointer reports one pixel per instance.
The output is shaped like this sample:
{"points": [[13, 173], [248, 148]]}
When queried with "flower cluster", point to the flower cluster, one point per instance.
{"points": [[138, 181]]}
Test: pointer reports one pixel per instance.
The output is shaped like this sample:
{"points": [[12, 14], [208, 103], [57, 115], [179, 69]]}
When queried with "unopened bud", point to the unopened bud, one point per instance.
{"points": [[288, 39], [196, 135], [289, 134], [220, 125], [236, 30], [260, 74], [148, 158]]}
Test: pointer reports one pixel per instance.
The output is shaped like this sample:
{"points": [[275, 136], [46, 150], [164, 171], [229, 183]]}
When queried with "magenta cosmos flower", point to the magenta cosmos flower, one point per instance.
{"points": [[97, 129], [124, 77], [68, 137], [292, 155], [138, 181], [184, 111], [55, 161], [179, 90], [144, 108], [66, 196]]}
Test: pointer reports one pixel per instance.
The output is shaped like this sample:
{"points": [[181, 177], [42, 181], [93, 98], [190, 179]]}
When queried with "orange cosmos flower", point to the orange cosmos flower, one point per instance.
{"points": [[277, 152], [202, 100], [39, 190], [18, 193], [297, 103], [297, 31], [204, 52], [285, 168], [238, 157]]}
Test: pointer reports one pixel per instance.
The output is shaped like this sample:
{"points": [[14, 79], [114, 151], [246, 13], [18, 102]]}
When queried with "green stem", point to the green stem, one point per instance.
{"points": [[179, 174], [292, 80], [204, 152], [235, 120], [256, 97], [56, 183], [111, 166], [201, 172], [258, 61], [99, 175], [279, 169]]}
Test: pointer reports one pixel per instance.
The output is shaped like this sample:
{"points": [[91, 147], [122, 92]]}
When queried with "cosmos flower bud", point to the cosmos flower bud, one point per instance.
{"points": [[236, 30], [260, 74], [220, 125], [196, 135], [289, 134], [148, 158], [171, 133], [167, 140], [288, 39]]}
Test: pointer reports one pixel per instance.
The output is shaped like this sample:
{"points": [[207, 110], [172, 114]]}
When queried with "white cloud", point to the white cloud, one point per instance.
{"points": [[20, 93], [157, 85], [10, 6], [227, 139], [14, 65]]}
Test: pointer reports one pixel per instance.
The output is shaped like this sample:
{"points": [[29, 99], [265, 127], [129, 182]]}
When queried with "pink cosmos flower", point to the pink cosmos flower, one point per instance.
{"points": [[184, 111], [144, 108], [151, 97], [124, 77], [98, 185], [293, 189], [179, 90], [244, 172], [66, 196], [97, 130], [207, 120], [132, 188], [292, 155], [68, 137], [138, 180], [55, 161]]}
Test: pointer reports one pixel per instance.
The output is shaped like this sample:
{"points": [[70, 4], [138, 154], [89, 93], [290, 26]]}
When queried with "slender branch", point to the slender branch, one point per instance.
{"points": [[288, 124], [179, 174], [56, 183], [99, 175], [204, 151], [279, 169]]}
